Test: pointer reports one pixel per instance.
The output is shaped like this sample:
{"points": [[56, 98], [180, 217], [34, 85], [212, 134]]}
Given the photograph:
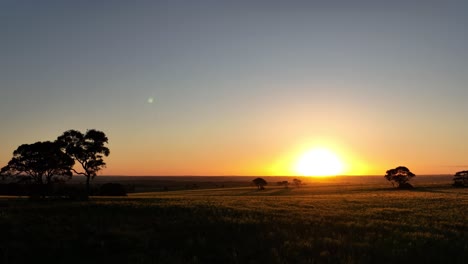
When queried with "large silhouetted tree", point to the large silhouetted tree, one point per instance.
{"points": [[87, 149], [460, 179], [39, 163], [400, 175], [260, 183]]}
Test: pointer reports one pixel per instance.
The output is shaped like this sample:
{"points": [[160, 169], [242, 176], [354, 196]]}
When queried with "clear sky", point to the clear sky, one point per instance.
{"points": [[240, 87]]}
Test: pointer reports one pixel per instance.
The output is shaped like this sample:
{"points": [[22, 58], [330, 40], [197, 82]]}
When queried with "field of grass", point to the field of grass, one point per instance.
{"points": [[317, 223]]}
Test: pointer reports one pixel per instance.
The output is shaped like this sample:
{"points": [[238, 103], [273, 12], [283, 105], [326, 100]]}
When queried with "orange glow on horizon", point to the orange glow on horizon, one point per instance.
{"points": [[265, 160]]}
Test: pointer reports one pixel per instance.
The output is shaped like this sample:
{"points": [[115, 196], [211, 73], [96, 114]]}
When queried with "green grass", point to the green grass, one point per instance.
{"points": [[360, 223]]}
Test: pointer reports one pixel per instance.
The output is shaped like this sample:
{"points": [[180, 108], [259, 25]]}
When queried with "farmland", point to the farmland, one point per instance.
{"points": [[339, 221]]}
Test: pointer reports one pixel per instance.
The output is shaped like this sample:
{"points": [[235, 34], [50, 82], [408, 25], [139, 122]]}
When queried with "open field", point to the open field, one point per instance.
{"points": [[336, 222], [174, 183]]}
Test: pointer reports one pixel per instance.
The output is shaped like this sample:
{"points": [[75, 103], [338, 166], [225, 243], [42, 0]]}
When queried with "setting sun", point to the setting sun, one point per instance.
{"points": [[319, 162]]}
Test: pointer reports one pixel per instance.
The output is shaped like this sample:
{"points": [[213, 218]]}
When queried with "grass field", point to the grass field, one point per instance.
{"points": [[322, 222]]}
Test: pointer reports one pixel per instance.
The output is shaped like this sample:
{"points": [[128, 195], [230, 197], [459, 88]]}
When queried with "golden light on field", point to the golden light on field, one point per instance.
{"points": [[319, 162]]}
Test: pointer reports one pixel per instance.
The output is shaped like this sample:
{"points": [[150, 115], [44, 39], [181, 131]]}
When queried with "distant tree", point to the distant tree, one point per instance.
{"points": [[39, 163], [460, 179], [87, 149], [260, 183], [283, 183], [400, 175], [297, 182]]}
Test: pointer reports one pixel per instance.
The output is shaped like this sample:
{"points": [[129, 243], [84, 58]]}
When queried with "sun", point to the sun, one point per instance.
{"points": [[319, 162]]}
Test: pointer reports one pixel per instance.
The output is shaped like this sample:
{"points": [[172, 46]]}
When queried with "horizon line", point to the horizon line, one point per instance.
{"points": [[363, 175]]}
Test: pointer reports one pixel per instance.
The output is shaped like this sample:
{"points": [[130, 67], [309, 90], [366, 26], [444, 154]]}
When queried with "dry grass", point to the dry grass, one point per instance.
{"points": [[322, 223]]}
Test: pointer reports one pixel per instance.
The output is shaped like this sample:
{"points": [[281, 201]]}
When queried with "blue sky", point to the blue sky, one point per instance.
{"points": [[377, 77]]}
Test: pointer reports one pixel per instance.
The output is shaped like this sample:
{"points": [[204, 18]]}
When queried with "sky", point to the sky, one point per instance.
{"points": [[240, 87]]}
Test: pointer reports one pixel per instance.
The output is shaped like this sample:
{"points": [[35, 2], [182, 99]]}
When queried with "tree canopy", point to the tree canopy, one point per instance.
{"points": [[400, 175], [260, 183], [460, 179], [41, 162], [87, 149]]}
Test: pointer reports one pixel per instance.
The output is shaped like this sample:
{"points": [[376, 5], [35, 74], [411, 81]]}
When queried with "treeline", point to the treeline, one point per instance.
{"points": [[399, 177], [261, 183], [64, 191], [42, 168]]}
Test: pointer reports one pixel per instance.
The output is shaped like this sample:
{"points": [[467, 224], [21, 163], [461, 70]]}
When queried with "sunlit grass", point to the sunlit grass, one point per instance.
{"points": [[316, 223]]}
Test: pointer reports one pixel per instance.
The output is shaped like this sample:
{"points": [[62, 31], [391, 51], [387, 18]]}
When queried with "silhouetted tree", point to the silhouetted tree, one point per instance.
{"points": [[260, 183], [39, 163], [297, 182], [460, 179], [87, 149], [400, 175]]}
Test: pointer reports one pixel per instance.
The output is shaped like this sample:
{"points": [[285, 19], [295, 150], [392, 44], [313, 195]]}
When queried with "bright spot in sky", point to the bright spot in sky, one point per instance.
{"points": [[319, 162], [150, 100]]}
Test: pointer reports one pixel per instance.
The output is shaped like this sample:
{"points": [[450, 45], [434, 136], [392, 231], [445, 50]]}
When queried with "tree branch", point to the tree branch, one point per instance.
{"points": [[79, 173]]}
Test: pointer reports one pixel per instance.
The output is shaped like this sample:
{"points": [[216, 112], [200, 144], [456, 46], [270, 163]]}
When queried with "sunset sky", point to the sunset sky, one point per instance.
{"points": [[240, 87]]}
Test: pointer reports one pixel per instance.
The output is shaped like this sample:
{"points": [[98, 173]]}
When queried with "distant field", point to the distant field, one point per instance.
{"points": [[340, 221], [171, 183]]}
